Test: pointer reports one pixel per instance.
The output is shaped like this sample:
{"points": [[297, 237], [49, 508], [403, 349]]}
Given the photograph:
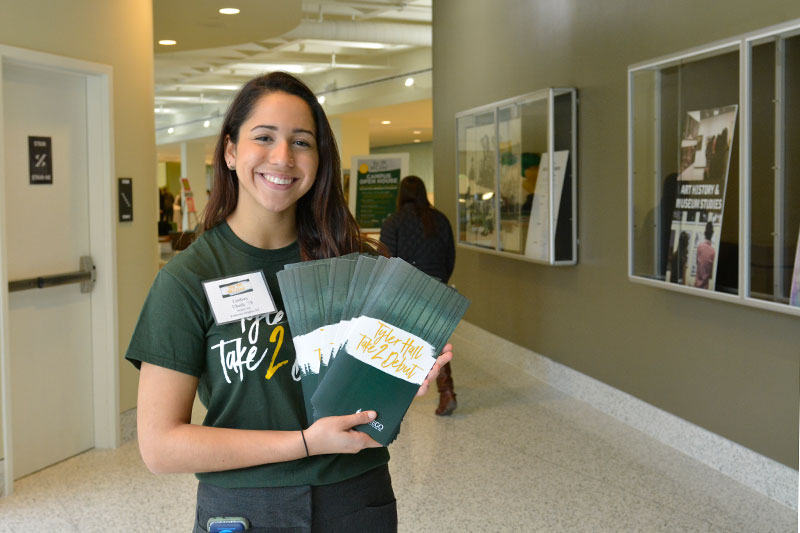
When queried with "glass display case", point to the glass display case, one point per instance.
{"points": [[511, 200], [714, 191]]}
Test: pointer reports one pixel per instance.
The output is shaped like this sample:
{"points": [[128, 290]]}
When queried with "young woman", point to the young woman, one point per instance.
{"points": [[421, 235], [276, 199]]}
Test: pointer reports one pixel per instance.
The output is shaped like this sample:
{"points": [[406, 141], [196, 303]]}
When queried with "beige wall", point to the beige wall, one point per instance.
{"points": [[730, 369], [117, 33], [420, 161]]}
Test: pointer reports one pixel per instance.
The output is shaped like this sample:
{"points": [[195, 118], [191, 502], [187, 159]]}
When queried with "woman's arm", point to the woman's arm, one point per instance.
{"points": [[168, 442]]}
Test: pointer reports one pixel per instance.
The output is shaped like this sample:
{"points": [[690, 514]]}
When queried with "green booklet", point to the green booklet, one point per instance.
{"points": [[367, 331], [312, 295], [405, 321], [304, 289]]}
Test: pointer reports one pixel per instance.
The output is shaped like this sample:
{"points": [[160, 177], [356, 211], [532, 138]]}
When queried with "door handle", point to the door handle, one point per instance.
{"points": [[86, 276]]}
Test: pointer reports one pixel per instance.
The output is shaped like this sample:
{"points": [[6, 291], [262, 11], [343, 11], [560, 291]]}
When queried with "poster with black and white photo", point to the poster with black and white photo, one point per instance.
{"points": [[704, 159]]}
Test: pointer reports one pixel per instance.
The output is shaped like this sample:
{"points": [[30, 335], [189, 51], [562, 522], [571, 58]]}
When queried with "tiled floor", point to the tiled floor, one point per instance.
{"points": [[516, 456]]}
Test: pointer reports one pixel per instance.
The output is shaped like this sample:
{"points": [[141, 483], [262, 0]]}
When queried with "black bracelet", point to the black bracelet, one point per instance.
{"points": [[304, 443]]}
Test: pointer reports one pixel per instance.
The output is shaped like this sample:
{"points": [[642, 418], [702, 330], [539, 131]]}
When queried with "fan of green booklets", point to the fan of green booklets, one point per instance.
{"points": [[367, 331]]}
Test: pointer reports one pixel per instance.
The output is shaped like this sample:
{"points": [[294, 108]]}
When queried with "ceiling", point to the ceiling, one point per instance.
{"points": [[357, 54]]}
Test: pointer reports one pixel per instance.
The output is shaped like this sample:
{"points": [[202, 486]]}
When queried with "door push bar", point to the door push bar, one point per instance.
{"points": [[86, 276]]}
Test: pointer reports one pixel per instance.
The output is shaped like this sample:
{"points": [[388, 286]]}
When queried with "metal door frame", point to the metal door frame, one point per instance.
{"points": [[102, 242]]}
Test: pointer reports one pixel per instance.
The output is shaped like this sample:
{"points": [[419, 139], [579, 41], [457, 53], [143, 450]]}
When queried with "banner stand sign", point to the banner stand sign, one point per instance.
{"points": [[374, 180]]}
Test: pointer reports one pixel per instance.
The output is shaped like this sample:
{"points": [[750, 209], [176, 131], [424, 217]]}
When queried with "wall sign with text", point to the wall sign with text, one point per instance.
{"points": [[125, 200], [40, 160], [374, 180]]}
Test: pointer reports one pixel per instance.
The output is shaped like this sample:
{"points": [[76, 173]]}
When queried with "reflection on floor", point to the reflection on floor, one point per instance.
{"points": [[517, 455]]}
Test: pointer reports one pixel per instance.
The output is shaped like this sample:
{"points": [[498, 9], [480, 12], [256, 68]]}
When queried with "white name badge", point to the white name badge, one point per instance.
{"points": [[238, 297], [390, 349]]}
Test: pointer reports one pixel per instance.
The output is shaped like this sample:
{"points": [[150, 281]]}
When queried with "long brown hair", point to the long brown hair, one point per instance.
{"points": [[325, 227], [412, 192]]}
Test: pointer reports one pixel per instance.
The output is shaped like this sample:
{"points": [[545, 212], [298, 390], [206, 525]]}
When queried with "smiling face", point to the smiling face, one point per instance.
{"points": [[275, 156]]}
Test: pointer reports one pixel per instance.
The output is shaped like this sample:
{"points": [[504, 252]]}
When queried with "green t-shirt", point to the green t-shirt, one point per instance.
{"points": [[241, 388]]}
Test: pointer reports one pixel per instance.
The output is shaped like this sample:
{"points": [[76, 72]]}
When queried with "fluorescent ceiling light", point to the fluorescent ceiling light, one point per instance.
{"points": [[188, 100], [409, 82], [347, 44], [321, 99], [207, 123], [386, 121], [252, 69], [416, 132], [171, 130], [204, 87], [487, 195], [256, 68], [167, 42], [229, 11], [417, 141]]}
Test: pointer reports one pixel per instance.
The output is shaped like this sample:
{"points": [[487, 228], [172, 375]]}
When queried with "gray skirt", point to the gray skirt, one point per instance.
{"points": [[363, 503]]}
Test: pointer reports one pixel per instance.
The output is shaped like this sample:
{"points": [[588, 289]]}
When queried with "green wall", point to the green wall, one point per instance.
{"points": [[727, 368]]}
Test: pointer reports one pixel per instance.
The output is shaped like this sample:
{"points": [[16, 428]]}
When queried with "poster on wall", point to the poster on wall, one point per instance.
{"points": [[481, 168], [704, 161], [537, 243], [794, 296], [373, 192], [513, 194]]}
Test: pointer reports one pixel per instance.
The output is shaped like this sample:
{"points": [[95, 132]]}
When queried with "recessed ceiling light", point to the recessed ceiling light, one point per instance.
{"points": [[207, 123], [416, 132], [321, 99], [229, 11], [386, 121], [167, 42], [409, 82], [171, 130]]}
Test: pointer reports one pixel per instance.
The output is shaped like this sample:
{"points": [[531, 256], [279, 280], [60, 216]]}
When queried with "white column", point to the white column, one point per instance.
{"points": [[193, 167]]}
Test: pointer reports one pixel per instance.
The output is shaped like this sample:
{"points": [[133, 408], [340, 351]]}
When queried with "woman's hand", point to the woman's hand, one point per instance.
{"points": [[447, 355], [335, 434]]}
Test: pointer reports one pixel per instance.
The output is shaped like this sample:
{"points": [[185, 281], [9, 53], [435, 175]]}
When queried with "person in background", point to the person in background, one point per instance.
{"points": [[421, 235], [705, 258], [276, 200], [679, 260]]}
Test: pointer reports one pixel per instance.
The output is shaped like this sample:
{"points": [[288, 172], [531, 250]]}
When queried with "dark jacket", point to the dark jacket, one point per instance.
{"points": [[403, 233]]}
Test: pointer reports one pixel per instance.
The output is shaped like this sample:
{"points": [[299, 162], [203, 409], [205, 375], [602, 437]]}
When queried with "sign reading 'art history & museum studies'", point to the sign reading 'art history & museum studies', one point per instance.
{"points": [[704, 160]]}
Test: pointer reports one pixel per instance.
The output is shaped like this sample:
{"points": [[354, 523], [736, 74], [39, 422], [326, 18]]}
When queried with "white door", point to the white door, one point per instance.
{"points": [[47, 231]]}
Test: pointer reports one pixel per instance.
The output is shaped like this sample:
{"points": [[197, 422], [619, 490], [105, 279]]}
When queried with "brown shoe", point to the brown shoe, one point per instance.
{"points": [[447, 403]]}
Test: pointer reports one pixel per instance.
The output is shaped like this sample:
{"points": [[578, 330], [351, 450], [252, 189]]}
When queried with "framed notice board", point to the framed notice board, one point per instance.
{"points": [[374, 180]]}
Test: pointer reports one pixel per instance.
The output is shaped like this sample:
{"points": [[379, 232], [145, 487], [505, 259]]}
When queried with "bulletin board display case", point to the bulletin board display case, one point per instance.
{"points": [[714, 191], [517, 176]]}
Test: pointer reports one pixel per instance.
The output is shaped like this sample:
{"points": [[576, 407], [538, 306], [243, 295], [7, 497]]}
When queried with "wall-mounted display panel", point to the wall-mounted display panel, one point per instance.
{"points": [[517, 175], [714, 191], [774, 168]]}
